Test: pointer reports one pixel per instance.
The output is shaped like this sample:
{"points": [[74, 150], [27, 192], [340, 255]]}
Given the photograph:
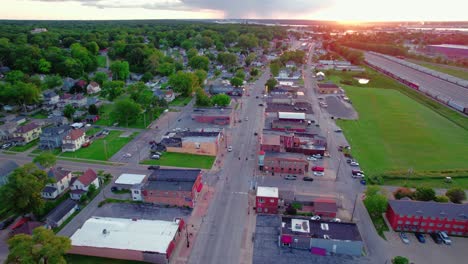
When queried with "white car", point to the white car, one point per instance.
{"points": [[156, 157], [317, 156], [336, 220], [311, 159], [315, 218], [230, 148], [246, 119], [358, 176], [127, 155], [319, 173], [354, 164]]}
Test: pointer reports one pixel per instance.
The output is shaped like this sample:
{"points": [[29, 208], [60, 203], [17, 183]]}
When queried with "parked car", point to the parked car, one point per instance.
{"points": [[246, 119], [315, 218], [127, 155], [6, 145], [338, 131], [156, 157], [290, 177], [404, 238], [336, 220], [311, 159], [5, 223], [255, 133], [445, 238], [318, 168], [153, 167], [358, 176], [256, 97], [229, 148], [436, 238], [307, 178], [420, 237], [317, 156], [260, 104], [319, 173], [355, 172], [113, 188], [349, 161], [363, 182], [354, 163]]}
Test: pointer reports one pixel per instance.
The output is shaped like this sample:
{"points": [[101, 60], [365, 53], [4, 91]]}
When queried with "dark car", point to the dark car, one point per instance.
{"points": [[255, 133], [5, 223], [348, 161], [154, 167], [307, 178], [113, 188], [260, 104], [436, 238], [256, 96], [420, 237]]}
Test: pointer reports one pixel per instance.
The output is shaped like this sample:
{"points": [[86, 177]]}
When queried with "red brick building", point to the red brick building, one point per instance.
{"points": [[173, 187], [286, 125], [285, 162], [266, 200], [270, 142], [428, 217], [325, 207], [217, 116]]}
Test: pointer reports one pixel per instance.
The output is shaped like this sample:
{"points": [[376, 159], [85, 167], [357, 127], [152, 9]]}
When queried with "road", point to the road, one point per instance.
{"points": [[424, 80]]}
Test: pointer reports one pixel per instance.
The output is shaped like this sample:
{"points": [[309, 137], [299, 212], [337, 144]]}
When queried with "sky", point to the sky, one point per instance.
{"points": [[338, 10]]}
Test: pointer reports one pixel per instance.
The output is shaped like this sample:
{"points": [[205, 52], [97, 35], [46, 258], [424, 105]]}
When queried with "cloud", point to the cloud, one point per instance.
{"points": [[230, 8]]}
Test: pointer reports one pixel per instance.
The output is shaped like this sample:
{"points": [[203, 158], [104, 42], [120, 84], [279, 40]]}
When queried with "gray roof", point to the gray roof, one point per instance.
{"points": [[172, 179], [430, 209], [60, 211], [168, 185], [50, 131], [7, 167], [49, 189]]}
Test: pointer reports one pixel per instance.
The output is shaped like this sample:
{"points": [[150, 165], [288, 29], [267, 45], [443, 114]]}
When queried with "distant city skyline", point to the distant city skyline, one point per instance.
{"points": [[336, 10]]}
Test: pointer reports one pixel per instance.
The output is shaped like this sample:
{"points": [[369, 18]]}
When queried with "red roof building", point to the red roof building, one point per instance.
{"points": [[266, 200]]}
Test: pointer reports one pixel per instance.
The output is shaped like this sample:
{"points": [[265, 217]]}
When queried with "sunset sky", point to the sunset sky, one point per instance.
{"points": [[341, 10]]}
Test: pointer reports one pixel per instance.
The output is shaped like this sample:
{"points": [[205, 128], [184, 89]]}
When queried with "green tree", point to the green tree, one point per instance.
{"points": [[100, 77], [442, 199], [247, 41], [26, 93], [275, 68], [22, 192], [14, 76], [147, 77], [44, 66], [183, 82], [53, 81], [202, 99], [400, 260], [166, 68], [46, 159], [186, 44], [43, 246], [240, 74], [271, 84], [120, 70], [254, 72], [93, 110], [126, 111], [424, 194], [69, 110], [237, 82], [192, 53], [201, 77], [220, 100], [92, 47], [91, 190], [250, 58], [227, 59], [199, 62], [456, 195], [372, 190], [112, 89], [231, 36], [376, 204]]}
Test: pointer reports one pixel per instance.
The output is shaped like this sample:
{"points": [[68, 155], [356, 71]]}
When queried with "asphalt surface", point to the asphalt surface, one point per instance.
{"points": [[424, 80]]}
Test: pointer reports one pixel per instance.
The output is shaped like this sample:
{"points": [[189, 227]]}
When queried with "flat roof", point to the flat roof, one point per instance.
{"points": [[267, 192], [291, 115], [121, 233], [130, 179], [286, 155], [430, 209], [319, 229], [450, 46], [270, 139]]}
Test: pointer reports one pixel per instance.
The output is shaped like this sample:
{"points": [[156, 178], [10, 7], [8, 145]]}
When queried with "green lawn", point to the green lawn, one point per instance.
{"points": [[25, 147], [183, 160], [79, 259], [143, 120], [461, 182], [180, 101], [55, 151], [101, 61], [101, 149], [445, 69], [39, 115]]}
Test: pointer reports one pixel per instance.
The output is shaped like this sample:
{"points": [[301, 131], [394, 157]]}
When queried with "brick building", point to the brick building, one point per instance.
{"points": [[266, 200], [270, 142], [172, 187], [327, 88], [305, 143], [290, 163], [217, 116], [286, 125], [428, 217]]}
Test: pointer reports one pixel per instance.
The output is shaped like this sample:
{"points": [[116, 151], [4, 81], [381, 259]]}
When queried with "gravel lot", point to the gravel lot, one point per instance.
{"points": [[338, 108]]}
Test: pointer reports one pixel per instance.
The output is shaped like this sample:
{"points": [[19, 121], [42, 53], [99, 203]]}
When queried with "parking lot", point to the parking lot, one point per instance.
{"points": [[340, 109]]}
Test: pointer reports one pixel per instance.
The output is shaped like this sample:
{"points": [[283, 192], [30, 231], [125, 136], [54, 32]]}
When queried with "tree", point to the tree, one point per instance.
{"points": [[227, 59], [275, 68], [92, 47], [372, 190], [231, 36], [100, 77], [14, 76], [250, 58], [424, 194], [22, 192], [186, 44], [26, 93], [271, 83], [240, 74], [376, 204], [199, 62], [202, 99], [183, 82], [46, 159], [456, 195], [93, 110], [69, 110], [403, 192], [237, 82], [442, 199], [91, 190], [201, 76], [254, 72], [120, 70], [44, 66], [220, 100], [166, 68], [147, 77], [126, 111], [192, 53], [43, 246], [112, 89], [52, 81], [400, 260]]}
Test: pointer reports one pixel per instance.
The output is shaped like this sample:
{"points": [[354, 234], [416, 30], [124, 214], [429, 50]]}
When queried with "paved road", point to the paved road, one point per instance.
{"points": [[426, 81]]}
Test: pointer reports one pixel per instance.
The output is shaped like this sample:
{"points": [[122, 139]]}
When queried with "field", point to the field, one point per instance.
{"points": [[79, 259], [143, 120], [101, 149], [101, 61], [180, 101], [460, 73], [183, 160]]}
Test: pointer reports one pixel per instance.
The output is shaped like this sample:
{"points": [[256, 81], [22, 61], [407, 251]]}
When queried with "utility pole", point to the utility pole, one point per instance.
{"points": [[186, 234], [354, 207]]}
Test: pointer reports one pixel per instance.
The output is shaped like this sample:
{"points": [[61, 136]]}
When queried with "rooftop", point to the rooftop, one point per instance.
{"points": [[267, 192], [88, 177], [130, 179], [430, 209], [28, 127], [74, 134], [319, 229], [291, 115], [131, 234], [453, 46], [172, 179], [61, 210], [268, 139], [58, 173], [286, 155], [212, 111]]}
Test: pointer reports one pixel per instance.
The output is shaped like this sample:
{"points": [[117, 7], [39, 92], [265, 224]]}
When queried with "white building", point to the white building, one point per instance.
{"points": [[81, 185]]}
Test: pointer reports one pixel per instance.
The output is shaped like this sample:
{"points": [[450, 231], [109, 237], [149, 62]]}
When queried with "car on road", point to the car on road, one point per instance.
{"points": [[317, 156], [404, 238], [156, 157], [311, 159], [445, 238], [153, 167], [256, 97], [354, 163], [358, 176], [127, 155], [319, 173], [436, 238], [315, 218], [420, 237], [229, 148], [307, 178], [363, 182], [336, 220], [5, 223], [260, 104], [355, 172], [255, 134], [246, 119], [290, 177], [338, 131]]}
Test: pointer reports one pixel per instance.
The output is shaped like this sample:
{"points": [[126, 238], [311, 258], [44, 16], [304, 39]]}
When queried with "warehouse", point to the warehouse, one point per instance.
{"points": [[126, 181]]}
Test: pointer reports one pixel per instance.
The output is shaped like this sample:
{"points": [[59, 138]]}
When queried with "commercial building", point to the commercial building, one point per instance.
{"points": [[270, 142], [217, 116], [327, 88], [284, 162], [266, 200], [127, 181], [199, 143], [449, 50], [305, 143], [171, 187], [320, 237], [289, 121], [428, 217], [150, 241]]}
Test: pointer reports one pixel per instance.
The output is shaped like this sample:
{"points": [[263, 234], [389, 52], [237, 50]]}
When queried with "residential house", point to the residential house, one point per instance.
{"points": [[79, 100], [60, 213], [64, 100], [7, 130], [81, 85], [74, 139], [60, 182], [26, 228], [167, 95], [52, 137], [92, 118], [266, 200], [93, 87], [6, 169], [58, 120], [428, 217], [50, 97], [68, 83], [81, 185], [193, 142], [27, 133]]}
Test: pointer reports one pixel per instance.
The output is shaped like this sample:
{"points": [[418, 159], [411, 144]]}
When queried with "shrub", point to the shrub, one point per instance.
{"points": [[400, 260], [456, 195], [291, 210], [403, 192], [424, 194], [442, 199]]}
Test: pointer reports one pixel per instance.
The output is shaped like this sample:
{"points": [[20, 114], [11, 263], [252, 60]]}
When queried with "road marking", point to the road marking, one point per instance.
{"points": [[239, 192]]}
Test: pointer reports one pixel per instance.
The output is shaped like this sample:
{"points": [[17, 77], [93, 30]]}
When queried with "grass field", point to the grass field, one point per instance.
{"points": [[142, 122], [445, 69], [98, 151], [183, 160], [101, 61], [180, 101], [79, 259], [25, 147], [429, 182]]}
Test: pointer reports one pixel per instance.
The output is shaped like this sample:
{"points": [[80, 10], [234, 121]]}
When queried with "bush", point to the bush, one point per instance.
{"points": [[442, 199], [403, 192], [400, 260], [296, 205], [291, 210], [424, 194], [456, 195]]}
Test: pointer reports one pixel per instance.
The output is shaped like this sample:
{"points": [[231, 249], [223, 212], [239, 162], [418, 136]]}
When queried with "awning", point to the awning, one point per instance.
{"points": [[286, 239]]}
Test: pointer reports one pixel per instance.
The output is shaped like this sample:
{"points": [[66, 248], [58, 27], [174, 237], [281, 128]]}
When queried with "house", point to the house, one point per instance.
{"points": [[6, 169], [193, 142], [58, 120], [81, 185], [7, 130], [135, 239], [172, 187], [320, 76], [60, 213], [60, 183], [81, 84], [19, 120], [167, 95], [284, 162], [74, 139], [428, 217], [213, 115], [320, 237], [50, 97], [52, 137], [327, 88], [26, 228], [27, 133], [93, 87], [68, 83], [266, 200], [92, 118], [325, 207], [79, 100]]}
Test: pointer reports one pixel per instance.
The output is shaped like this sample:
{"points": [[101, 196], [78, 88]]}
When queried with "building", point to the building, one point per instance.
{"points": [[305, 143], [327, 88], [225, 89], [73, 141], [50, 97], [193, 142], [266, 200], [27, 133], [52, 137], [38, 30], [449, 50], [26, 228], [214, 115], [150, 241], [6, 169], [286, 163], [92, 118], [172, 187], [320, 237], [428, 217], [7, 130], [80, 185], [60, 182], [270, 142], [289, 121], [60, 213], [126, 181], [93, 88], [325, 207]]}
